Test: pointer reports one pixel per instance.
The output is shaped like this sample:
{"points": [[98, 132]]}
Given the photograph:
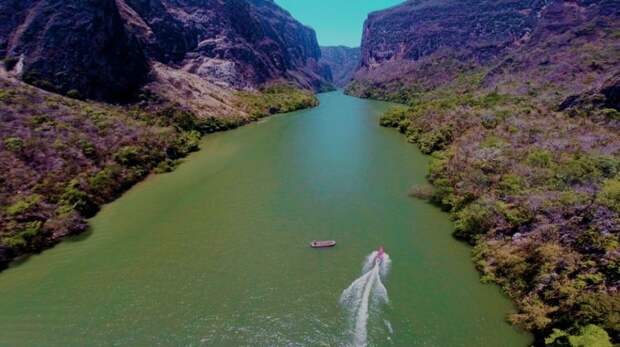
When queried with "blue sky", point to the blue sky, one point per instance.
{"points": [[337, 22]]}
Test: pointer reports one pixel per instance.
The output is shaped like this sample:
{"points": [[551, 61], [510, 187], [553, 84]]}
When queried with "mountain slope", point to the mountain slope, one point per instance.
{"points": [[343, 62], [164, 72], [103, 49], [518, 104]]}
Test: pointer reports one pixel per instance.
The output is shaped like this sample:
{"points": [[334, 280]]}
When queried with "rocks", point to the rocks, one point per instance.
{"points": [[536, 47], [73, 44], [343, 61], [104, 49]]}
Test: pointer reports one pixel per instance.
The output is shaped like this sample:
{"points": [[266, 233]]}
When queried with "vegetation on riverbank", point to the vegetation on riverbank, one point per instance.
{"points": [[61, 158], [537, 192]]}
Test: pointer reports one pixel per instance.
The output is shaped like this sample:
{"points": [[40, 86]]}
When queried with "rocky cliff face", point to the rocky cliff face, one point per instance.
{"points": [[424, 44], [103, 49], [63, 45], [342, 61]]}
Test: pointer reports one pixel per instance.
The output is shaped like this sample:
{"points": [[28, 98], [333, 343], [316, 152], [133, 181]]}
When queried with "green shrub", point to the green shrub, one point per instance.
{"points": [[610, 194], [24, 204], [103, 180], [22, 238], [88, 148], [393, 117], [589, 336], [129, 156], [166, 166], [184, 144], [14, 144], [74, 94], [179, 118], [539, 158], [435, 140], [472, 221], [511, 184], [77, 199]]}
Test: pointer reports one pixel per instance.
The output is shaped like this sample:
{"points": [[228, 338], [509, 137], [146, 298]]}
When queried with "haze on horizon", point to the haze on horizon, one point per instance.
{"points": [[336, 22]]}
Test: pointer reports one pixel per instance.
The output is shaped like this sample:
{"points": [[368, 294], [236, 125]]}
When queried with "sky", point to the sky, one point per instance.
{"points": [[336, 22]]}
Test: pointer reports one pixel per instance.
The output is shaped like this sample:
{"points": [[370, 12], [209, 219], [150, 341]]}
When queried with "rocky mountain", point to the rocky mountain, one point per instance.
{"points": [[518, 103], [167, 71], [424, 44], [108, 49], [343, 62]]}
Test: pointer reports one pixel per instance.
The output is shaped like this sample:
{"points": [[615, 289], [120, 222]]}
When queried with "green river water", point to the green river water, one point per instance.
{"points": [[216, 253]]}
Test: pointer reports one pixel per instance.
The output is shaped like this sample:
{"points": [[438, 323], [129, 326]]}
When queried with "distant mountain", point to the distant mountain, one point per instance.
{"points": [[343, 62], [425, 44], [108, 49]]}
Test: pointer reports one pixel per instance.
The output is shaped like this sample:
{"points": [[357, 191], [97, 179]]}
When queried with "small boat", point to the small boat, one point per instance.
{"points": [[380, 255], [322, 244]]}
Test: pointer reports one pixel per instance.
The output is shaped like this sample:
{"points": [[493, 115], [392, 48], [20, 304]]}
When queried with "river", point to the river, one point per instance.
{"points": [[216, 253]]}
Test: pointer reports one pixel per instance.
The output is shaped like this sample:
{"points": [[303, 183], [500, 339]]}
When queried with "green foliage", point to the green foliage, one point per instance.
{"points": [[280, 98], [23, 237], [14, 144], [129, 156], [393, 117], [104, 180], [610, 194], [74, 94], [511, 184], [539, 158], [175, 116], [24, 204], [166, 166], [589, 336], [472, 221], [435, 140], [184, 144], [77, 199], [580, 168], [88, 148]]}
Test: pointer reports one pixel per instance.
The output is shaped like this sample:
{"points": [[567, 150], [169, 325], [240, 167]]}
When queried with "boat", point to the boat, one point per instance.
{"points": [[380, 255], [322, 244]]}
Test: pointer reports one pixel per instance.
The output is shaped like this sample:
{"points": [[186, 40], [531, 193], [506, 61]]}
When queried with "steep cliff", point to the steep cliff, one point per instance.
{"points": [[342, 61], [72, 45], [103, 49], [426, 44], [518, 103]]}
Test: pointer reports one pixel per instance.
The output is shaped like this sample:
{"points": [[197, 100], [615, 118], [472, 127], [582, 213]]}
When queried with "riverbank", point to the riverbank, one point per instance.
{"points": [[535, 191], [63, 158]]}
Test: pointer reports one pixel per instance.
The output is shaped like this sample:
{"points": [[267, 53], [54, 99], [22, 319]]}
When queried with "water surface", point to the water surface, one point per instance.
{"points": [[215, 253]]}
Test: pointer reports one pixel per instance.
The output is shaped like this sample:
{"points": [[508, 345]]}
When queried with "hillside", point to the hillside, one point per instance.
{"points": [[342, 61], [108, 50], [518, 104], [95, 95]]}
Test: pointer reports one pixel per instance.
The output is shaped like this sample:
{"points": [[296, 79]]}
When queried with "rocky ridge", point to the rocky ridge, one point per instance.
{"points": [[343, 62], [109, 49]]}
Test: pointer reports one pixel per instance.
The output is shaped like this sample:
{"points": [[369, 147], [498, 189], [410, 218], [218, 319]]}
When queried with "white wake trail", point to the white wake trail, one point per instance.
{"points": [[365, 293]]}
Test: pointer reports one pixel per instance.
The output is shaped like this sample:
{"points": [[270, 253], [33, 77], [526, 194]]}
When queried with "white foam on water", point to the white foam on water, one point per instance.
{"points": [[367, 293]]}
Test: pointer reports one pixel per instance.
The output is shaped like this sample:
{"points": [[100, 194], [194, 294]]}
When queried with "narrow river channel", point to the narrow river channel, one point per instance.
{"points": [[216, 253]]}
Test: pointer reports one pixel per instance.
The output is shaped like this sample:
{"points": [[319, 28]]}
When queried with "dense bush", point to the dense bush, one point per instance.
{"points": [[61, 158], [538, 194]]}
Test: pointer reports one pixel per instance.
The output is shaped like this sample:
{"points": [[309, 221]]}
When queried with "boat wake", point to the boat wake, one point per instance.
{"points": [[366, 295]]}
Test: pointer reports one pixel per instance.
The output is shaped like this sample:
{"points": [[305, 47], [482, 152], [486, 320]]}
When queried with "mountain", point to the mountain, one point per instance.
{"points": [[425, 44], [97, 94], [517, 101], [342, 61], [109, 49]]}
